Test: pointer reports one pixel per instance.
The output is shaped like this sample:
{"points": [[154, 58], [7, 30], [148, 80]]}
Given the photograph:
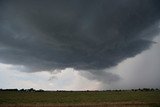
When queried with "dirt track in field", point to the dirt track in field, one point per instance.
{"points": [[115, 104]]}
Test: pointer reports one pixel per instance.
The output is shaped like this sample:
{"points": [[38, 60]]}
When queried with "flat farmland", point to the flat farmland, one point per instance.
{"points": [[80, 99]]}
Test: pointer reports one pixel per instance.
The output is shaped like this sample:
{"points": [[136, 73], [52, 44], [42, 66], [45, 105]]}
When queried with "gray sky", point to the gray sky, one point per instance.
{"points": [[63, 44]]}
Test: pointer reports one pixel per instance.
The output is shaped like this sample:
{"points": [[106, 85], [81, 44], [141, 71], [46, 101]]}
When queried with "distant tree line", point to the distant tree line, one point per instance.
{"points": [[23, 90], [146, 89], [118, 90], [140, 89]]}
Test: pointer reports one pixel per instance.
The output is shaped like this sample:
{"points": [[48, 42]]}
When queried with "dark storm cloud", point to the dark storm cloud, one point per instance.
{"points": [[100, 75], [81, 34]]}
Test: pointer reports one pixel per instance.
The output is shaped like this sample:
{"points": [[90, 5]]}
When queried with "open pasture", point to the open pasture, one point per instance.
{"points": [[80, 99]]}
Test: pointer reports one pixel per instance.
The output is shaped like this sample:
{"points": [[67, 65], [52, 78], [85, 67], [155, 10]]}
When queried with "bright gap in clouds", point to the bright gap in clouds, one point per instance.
{"points": [[67, 79], [137, 72]]}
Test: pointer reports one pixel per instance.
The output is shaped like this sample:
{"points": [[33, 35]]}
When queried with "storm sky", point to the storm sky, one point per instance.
{"points": [[89, 44]]}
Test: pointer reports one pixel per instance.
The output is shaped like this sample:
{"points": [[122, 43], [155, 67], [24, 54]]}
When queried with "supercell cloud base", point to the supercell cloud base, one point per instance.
{"points": [[63, 44]]}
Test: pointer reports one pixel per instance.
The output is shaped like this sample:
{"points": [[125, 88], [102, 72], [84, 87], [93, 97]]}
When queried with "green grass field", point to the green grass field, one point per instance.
{"points": [[75, 98]]}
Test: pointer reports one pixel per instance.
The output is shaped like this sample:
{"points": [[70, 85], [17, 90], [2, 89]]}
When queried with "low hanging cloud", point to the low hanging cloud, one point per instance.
{"points": [[101, 76], [82, 34]]}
